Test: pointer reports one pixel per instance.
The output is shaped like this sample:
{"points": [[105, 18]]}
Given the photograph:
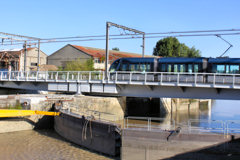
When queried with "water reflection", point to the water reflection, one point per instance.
{"points": [[216, 110], [223, 114], [226, 110], [186, 109]]}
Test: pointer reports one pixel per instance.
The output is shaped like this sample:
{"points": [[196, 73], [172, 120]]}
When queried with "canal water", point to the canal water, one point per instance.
{"points": [[201, 116], [48, 145], [222, 115], [42, 145], [225, 110]]}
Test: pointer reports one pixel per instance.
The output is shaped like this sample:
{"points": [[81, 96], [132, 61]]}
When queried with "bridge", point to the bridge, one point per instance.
{"points": [[132, 84]]}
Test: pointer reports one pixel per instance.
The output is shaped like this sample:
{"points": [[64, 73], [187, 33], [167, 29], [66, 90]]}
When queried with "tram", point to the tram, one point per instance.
{"points": [[195, 70], [177, 64]]}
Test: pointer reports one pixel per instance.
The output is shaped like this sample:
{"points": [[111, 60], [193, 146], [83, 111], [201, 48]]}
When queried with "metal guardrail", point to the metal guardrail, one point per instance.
{"points": [[232, 127], [145, 78], [148, 123], [92, 114], [206, 126], [195, 126]]}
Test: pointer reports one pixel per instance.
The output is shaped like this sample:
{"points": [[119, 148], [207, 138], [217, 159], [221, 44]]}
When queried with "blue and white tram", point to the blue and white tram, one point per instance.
{"points": [[188, 67]]}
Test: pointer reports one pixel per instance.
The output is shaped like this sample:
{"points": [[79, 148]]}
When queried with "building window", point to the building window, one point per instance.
{"points": [[97, 60], [33, 64]]}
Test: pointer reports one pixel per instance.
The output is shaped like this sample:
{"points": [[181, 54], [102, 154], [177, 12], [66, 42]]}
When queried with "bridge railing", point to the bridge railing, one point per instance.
{"points": [[154, 78], [52, 76], [176, 78]]}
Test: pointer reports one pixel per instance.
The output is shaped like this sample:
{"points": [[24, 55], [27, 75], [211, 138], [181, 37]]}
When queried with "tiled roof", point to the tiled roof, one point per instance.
{"points": [[16, 51], [98, 53]]}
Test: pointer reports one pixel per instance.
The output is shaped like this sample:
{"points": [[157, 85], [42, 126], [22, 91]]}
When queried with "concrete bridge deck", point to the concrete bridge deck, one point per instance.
{"points": [[135, 84]]}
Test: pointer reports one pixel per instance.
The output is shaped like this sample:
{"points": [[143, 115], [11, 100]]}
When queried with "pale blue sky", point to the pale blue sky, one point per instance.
{"points": [[60, 18]]}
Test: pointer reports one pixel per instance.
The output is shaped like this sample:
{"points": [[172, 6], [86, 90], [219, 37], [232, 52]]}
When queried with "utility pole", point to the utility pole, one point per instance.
{"points": [[108, 24], [143, 45], [107, 52], [38, 62], [25, 55]]}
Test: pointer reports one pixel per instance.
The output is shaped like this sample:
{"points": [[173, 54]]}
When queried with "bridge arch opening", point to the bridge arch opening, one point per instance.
{"points": [[143, 107]]}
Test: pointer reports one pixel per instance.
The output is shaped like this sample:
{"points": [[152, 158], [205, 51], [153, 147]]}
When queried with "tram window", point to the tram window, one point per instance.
{"points": [[114, 66], [124, 67], [132, 68], [182, 67], [137, 67], [142, 67], [234, 68], [190, 68], [169, 68], [195, 68], [214, 68], [220, 68], [163, 67], [175, 69], [148, 67]]}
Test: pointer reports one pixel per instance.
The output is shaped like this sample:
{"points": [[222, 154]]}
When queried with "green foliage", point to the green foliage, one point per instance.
{"points": [[102, 59], [116, 49], [60, 68], [171, 47], [16, 106], [80, 65]]}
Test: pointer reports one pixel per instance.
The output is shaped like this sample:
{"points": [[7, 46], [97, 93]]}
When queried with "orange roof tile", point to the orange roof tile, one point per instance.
{"points": [[98, 53]]}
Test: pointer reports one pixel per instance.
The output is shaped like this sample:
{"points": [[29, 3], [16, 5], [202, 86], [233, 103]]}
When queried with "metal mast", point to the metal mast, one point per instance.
{"points": [[108, 25]]}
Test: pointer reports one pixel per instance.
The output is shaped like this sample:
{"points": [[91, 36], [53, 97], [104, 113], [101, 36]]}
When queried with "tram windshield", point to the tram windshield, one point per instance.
{"points": [[114, 66]]}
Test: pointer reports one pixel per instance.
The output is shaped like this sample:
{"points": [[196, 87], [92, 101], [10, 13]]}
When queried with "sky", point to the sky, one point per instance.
{"points": [[64, 18]]}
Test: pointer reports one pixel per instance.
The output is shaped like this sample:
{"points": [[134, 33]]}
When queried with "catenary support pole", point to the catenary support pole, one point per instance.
{"points": [[38, 62], [25, 55], [107, 52], [143, 45]]}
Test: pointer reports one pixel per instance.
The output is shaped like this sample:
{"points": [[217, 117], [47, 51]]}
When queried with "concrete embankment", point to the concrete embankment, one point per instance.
{"points": [[93, 132], [97, 135], [25, 101], [108, 108], [161, 145]]}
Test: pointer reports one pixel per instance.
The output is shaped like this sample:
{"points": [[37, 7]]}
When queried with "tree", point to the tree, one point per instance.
{"points": [[171, 47], [116, 49], [79, 65]]}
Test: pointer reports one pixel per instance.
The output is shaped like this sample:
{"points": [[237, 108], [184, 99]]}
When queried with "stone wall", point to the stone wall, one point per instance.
{"points": [[182, 105], [34, 102], [109, 108]]}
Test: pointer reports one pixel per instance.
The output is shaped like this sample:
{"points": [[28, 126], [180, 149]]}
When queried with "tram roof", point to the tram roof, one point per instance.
{"points": [[224, 60], [138, 60], [180, 60]]}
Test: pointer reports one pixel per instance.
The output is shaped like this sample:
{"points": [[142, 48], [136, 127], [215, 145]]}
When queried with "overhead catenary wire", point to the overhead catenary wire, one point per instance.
{"points": [[161, 33], [126, 37], [157, 33]]}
